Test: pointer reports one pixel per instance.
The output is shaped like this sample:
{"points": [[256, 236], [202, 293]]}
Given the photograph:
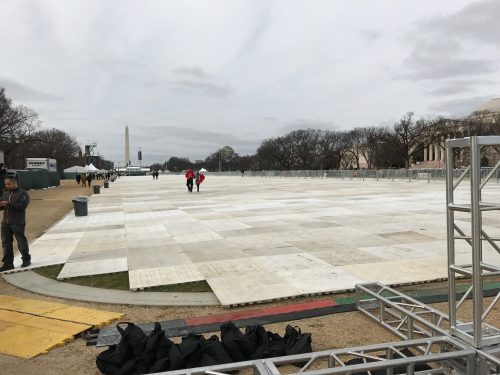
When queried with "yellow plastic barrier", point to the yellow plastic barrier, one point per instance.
{"points": [[30, 327]]}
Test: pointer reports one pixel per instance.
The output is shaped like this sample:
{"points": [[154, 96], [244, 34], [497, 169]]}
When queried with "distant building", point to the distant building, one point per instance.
{"points": [[483, 121]]}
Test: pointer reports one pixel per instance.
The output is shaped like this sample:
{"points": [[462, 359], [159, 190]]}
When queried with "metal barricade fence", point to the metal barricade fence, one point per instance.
{"points": [[358, 174]]}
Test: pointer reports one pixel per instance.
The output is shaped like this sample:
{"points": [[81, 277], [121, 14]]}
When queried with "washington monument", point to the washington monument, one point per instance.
{"points": [[127, 148]]}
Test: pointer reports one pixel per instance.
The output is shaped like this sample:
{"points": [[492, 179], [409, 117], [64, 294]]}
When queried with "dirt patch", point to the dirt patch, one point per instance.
{"points": [[48, 206]]}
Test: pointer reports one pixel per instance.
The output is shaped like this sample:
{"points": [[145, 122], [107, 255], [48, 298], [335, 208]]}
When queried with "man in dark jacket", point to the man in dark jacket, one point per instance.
{"points": [[13, 203]]}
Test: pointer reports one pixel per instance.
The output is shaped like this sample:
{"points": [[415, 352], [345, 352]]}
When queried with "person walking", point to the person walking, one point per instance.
{"points": [[78, 178], [89, 178], [198, 179], [13, 203], [83, 177], [189, 179]]}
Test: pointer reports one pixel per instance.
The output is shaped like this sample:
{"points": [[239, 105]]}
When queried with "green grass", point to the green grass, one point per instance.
{"points": [[119, 281]]}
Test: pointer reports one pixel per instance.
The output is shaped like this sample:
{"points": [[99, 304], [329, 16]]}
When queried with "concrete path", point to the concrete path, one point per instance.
{"points": [[36, 283]]}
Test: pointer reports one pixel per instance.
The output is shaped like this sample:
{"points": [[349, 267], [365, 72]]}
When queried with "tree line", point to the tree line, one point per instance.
{"points": [[21, 136], [373, 147]]}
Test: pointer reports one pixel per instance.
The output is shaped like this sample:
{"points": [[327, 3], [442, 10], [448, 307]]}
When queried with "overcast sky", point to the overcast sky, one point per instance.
{"points": [[189, 77]]}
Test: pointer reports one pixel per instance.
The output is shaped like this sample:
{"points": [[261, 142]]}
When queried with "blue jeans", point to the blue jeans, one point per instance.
{"points": [[8, 232]]}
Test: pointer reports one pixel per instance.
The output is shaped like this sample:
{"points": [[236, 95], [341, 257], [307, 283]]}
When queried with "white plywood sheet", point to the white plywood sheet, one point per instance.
{"points": [[93, 267], [150, 277], [308, 273], [148, 257], [401, 271]]}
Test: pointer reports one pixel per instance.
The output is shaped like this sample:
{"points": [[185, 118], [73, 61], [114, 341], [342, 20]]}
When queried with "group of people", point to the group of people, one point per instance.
{"points": [[197, 177], [84, 179]]}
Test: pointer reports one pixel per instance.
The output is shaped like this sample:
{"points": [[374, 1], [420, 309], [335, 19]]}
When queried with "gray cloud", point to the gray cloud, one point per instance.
{"points": [[196, 80], [459, 107], [207, 88], [442, 45], [20, 92], [194, 71], [370, 35], [477, 22], [426, 68], [458, 86]]}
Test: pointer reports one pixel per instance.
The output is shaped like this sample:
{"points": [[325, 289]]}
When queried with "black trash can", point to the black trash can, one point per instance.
{"points": [[106, 184], [97, 189], [80, 206]]}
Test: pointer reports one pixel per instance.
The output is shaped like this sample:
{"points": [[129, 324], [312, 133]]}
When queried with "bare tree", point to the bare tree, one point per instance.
{"points": [[342, 150], [328, 145], [356, 139], [407, 137], [176, 164], [305, 147], [55, 144], [279, 149], [369, 144], [17, 125]]}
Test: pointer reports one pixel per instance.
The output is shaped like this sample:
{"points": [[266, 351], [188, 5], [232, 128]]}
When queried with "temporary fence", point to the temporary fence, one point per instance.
{"points": [[37, 179], [360, 174]]}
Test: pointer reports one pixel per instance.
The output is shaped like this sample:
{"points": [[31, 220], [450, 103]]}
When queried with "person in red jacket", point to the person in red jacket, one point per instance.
{"points": [[189, 179], [198, 179]]}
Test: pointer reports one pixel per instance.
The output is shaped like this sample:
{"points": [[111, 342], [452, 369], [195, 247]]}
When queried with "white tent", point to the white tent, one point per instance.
{"points": [[75, 169], [91, 168], [203, 170]]}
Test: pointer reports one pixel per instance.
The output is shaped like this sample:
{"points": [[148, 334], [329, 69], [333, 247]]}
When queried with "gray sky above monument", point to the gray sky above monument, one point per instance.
{"points": [[188, 77]]}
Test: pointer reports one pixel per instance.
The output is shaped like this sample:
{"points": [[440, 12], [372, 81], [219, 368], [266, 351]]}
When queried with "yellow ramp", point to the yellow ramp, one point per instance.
{"points": [[96, 318], [13, 316], [27, 342], [31, 327], [27, 305]]}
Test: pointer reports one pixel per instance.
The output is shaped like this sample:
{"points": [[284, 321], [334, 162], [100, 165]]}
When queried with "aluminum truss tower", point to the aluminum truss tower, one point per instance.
{"points": [[477, 333]]}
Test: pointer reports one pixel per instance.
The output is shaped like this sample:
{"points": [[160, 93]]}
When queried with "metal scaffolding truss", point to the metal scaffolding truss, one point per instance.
{"points": [[436, 355], [477, 332], [409, 319]]}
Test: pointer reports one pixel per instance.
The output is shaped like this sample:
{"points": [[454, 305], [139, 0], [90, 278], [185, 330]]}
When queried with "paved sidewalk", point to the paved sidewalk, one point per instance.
{"points": [[36, 283]]}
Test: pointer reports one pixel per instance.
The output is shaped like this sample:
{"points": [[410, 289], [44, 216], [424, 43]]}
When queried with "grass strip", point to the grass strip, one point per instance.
{"points": [[119, 281]]}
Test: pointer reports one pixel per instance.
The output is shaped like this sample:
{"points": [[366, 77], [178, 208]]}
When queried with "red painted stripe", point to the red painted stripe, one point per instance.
{"points": [[237, 315]]}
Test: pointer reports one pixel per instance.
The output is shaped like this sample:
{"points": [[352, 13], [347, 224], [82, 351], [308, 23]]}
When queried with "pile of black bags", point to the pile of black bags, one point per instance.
{"points": [[138, 353]]}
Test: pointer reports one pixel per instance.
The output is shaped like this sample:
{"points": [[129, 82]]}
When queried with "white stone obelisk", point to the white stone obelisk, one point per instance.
{"points": [[127, 148]]}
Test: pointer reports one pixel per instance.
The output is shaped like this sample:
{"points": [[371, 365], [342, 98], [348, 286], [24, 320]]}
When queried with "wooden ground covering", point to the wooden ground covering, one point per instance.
{"points": [[30, 327]]}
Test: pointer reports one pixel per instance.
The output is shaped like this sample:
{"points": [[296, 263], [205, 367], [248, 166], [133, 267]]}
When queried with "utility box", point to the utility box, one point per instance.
{"points": [[42, 163]]}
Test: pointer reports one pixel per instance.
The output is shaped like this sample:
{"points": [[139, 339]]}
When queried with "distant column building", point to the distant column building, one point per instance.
{"points": [[483, 121]]}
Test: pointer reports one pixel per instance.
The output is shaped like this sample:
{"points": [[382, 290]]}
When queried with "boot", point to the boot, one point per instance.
{"points": [[6, 267]]}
